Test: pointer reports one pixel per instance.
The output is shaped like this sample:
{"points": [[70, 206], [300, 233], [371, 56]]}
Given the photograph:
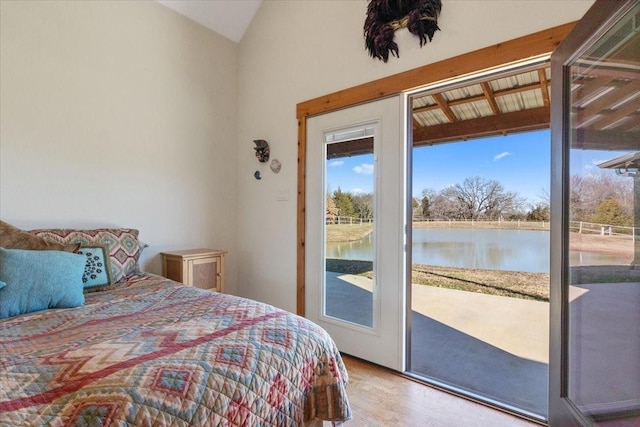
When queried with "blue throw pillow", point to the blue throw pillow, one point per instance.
{"points": [[37, 280]]}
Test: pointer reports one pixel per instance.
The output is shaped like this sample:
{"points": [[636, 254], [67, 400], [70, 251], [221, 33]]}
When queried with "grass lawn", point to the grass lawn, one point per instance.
{"points": [[515, 284], [348, 232]]}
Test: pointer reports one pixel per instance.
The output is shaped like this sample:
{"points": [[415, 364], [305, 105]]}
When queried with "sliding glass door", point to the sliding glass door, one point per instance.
{"points": [[595, 341], [479, 238]]}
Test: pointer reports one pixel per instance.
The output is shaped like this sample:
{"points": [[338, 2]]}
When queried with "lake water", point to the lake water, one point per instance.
{"points": [[491, 249]]}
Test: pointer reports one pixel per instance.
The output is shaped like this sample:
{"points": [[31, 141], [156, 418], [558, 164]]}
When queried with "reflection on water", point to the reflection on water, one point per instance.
{"points": [[515, 250], [359, 249], [578, 259], [491, 249]]}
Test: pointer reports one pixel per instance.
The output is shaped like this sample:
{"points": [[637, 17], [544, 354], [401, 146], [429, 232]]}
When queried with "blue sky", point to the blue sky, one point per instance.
{"points": [[520, 162]]}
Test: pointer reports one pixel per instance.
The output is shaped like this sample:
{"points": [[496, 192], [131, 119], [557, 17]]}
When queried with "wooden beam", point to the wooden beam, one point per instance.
{"points": [[631, 124], [605, 140], [606, 101], [488, 93], [519, 49], [604, 69], [442, 103], [587, 88], [517, 121], [496, 94], [616, 115], [544, 86], [350, 148], [426, 108]]}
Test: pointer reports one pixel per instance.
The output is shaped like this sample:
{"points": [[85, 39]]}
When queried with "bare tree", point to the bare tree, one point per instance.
{"points": [[545, 197], [363, 205], [480, 198], [588, 191], [442, 208]]}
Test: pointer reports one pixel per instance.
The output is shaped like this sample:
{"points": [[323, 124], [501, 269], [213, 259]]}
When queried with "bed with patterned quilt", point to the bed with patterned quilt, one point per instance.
{"points": [[148, 351]]}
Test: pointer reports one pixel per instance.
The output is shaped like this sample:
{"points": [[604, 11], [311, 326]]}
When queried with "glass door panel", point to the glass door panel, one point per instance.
{"points": [[481, 278], [349, 232], [595, 300], [354, 236], [604, 216], [480, 238]]}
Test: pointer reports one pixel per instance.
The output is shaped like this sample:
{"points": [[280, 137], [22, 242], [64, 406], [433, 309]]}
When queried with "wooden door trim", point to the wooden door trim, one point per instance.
{"points": [[515, 50]]}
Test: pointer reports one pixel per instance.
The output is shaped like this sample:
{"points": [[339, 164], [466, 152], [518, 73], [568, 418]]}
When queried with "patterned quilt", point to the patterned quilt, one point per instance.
{"points": [[152, 352]]}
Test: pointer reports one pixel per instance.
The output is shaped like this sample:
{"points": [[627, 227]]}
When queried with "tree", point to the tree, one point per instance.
{"points": [[424, 205], [332, 210], [610, 212], [442, 207], [576, 202], [539, 213], [363, 205], [545, 196], [344, 202], [414, 203], [588, 191], [480, 198], [427, 207]]}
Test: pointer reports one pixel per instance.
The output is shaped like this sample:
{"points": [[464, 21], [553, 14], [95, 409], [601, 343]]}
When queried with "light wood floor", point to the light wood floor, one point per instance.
{"points": [[381, 397]]}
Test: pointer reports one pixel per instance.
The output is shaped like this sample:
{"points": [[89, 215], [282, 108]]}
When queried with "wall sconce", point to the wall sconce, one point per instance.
{"points": [[262, 150]]}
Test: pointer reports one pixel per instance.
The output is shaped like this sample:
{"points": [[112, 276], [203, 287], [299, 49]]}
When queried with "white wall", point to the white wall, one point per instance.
{"points": [[118, 114], [298, 50], [126, 114]]}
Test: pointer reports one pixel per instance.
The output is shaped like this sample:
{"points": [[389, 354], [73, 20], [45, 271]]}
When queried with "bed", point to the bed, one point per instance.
{"points": [[148, 351]]}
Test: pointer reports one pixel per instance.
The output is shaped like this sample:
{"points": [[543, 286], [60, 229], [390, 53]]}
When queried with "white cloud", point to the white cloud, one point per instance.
{"points": [[364, 169], [357, 190], [336, 163], [501, 156], [594, 164]]}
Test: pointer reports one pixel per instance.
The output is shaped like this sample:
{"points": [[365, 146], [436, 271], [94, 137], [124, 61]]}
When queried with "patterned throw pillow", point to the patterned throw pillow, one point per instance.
{"points": [[123, 244], [97, 271]]}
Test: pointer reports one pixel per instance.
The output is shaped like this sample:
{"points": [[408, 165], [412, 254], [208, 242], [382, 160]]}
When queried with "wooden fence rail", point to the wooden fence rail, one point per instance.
{"points": [[348, 220], [581, 227]]}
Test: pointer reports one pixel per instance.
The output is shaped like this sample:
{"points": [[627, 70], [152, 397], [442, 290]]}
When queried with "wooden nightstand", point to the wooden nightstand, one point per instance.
{"points": [[202, 268]]}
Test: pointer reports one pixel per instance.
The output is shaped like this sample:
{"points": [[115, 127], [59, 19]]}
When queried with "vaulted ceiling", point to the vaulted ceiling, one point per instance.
{"points": [[230, 18], [606, 96]]}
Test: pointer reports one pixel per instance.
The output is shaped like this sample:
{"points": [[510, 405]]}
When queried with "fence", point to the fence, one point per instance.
{"points": [[482, 223], [583, 227], [348, 220]]}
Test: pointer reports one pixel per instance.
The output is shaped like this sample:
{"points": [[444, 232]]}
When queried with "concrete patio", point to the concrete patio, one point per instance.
{"points": [[489, 345], [497, 347]]}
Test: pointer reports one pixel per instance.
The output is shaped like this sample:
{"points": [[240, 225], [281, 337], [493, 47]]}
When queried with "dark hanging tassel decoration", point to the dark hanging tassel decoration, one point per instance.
{"points": [[384, 17]]}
